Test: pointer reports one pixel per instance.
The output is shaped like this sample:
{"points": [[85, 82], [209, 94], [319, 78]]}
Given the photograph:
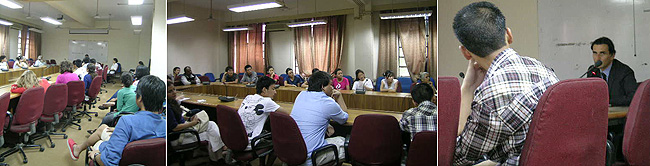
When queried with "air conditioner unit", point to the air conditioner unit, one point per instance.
{"points": [[88, 31], [276, 27]]}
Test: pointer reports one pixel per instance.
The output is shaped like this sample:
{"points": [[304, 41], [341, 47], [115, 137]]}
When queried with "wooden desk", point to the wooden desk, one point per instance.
{"points": [[12, 75], [374, 100], [7, 87], [617, 112], [213, 101]]}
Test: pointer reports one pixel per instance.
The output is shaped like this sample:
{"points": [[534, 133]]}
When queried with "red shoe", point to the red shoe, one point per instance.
{"points": [[71, 144]]}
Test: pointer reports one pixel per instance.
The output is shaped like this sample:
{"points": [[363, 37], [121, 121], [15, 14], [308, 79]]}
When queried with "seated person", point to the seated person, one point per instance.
{"points": [[313, 110], [116, 67], [39, 62], [270, 72], [125, 100], [291, 79], [28, 80], [145, 124], [81, 69], [256, 108], [94, 62], [389, 83], [175, 74], [88, 79], [140, 63], [177, 121], [66, 73], [306, 84], [3, 63], [424, 78], [188, 78], [339, 82], [230, 77], [362, 82], [250, 77], [619, 77], [21, 63], [424, 117], [141, 71]]}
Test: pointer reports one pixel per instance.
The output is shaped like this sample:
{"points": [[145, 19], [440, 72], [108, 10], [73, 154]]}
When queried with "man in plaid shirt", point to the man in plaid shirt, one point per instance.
{"points": [[500, 90], [424, 117]]}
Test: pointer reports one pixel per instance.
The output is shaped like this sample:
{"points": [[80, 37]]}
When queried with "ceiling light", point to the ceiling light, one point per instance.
{"points": [[306, 23], [7, 23], [11, 4], [35, 30], [236, 29], [136, 2], [179, 19], [251, 6], [399, 15], [51, 20], [136, 20]]}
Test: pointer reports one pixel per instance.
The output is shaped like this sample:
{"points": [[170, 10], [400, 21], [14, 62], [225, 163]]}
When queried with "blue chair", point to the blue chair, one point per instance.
{"points": [[378, 86], [211, 77], [406, 84], [350, 80], [260, 74], [220, 76], [284, 76], [198, 75], [434, 83]]}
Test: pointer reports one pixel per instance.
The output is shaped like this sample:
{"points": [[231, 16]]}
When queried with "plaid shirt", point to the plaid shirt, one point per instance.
{"points": [[502, 109], [424, 117]]}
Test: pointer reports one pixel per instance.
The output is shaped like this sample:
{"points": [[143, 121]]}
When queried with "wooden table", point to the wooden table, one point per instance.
{"points": [[12, 75], [7, 87], [213, 101], [374, 100]]}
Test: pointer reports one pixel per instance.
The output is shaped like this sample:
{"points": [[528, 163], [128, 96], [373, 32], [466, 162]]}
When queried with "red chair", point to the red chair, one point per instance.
{"points": [[75, 98], [11, 64], [569, 125], [141, 152], [93, 91], [4, 106], [235, 137], [636, 147], [204, 79], [54, 104], [289, 146], [177, 81], [25, 119], [104, 79], [423, 149], [449, 101], [280, 81], [375, 140]]}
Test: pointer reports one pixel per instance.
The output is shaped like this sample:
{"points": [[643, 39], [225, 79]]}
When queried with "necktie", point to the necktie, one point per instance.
{"points": [[604, 77]]}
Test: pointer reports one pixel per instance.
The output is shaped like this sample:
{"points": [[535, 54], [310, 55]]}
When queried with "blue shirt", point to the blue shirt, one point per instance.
{"points": [[606, 71], [312, 112], [87, 81], [139, 126], [296, 80]]}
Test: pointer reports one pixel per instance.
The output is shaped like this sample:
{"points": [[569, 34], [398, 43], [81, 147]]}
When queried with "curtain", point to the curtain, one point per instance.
{"points": [[248, 49], [387, 47], [4, 36], [321, 49], [34, 45], [23, 40], [433, 47], [413, 41], [231, 49]]}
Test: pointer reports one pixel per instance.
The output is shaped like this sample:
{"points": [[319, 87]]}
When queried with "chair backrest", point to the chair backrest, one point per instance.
{"points": [[280, 81], [30, 106], [104, 76], [211, 77], [375, 140], [448, 100], [204, 79], [378, 84], [260, 74], [198, 75], [220, 76], [76, 91], [231, 128], [11, 64], [288, 143], [284, 75], [350, 80], [569, 125], [95, 86], [145, 152], [399, 87], [406, 84], [100, 74], [56, 98], [119, 68], [636, 147], [423, 149], [4, 107]]}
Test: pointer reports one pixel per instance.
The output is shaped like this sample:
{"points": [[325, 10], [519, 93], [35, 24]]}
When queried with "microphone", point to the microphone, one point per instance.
{"points": [[461, 74], [598, 63]]}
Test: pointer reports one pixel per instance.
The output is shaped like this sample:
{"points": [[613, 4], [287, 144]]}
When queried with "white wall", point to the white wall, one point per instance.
{"points": [[281, 50], [13, 43]]}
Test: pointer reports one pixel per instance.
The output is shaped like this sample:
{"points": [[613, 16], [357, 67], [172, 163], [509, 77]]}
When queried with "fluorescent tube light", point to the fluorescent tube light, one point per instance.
{"points": [[136, 2], [136, 20], [51, 20], [11, 4], [35, 30], [179, 19], [306, 23], [236, 29], [7, 23], [251, 6], [399, 15]]}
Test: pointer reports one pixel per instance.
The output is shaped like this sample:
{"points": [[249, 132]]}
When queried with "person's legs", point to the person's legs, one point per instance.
{"points": [[92, 139], [108, 119], [329, 156]]}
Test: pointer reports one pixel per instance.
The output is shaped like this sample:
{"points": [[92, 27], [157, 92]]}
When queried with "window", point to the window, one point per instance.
{"points": [[402, 70], [19, 44]]}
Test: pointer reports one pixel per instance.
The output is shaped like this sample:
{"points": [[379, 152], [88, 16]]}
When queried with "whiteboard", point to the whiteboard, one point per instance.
{"points": [[567, 28], [97, 49]]}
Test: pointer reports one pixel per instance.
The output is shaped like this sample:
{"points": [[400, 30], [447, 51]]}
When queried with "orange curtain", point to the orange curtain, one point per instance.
{"points": [[387, 47], [34, 45], [323, 49], [23, 40], [304, 53], [413, 41], [248, 49]]}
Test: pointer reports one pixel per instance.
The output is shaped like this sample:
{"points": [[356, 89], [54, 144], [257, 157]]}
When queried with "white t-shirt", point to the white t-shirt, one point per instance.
{"points": [[391, 86], [4, 66], [365, 83], [81, 72], [253, 112]]}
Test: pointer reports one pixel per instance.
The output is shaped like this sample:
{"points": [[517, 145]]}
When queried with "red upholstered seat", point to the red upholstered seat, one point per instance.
{"points": [[423, 149], [449, 106], [145, 152], [234, 136], [636, 146], [375, 140]]}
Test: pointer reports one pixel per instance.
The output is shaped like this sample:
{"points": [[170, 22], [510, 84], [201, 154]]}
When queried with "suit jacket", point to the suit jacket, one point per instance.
{"points": [[621, 83]]}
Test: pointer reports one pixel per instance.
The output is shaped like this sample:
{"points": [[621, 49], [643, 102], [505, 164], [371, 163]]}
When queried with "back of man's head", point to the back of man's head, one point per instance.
{"points": [[264, 82], [481, 28], [86, 60], [318, 80], [151, 90], [422, 92]]}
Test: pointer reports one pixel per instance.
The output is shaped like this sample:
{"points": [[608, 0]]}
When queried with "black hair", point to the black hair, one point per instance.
{"points": [[176, 68], [2, 57], [66, 66], [247, 66], [604, 40], [480, 27], [77, 62], [86, 55], [141, 71], [173, 104], [127, 79], [115, 59], [86, 60], [152, 91], [422, 92], [93, 60], [187, 67], [318, 80], [141, 63], [229, 68], [314, 70], [264, 82], [287, 71], [336, 71], [91, 70], [356, 74], [268, 68], [388, 73]]}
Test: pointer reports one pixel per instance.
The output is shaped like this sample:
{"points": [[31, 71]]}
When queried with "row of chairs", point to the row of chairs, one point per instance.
{"points": [[30, 62], [561, 127]]}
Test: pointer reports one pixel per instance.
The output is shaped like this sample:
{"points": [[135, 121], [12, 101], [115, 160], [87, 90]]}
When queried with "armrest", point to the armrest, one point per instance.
{"points": [[610, 153], [189, 148], [322, 151], [255, 140], [11, 119]]}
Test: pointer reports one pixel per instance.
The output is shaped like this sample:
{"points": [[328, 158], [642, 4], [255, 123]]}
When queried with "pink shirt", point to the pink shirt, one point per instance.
{"points": [[343, 85], [66, 77]]}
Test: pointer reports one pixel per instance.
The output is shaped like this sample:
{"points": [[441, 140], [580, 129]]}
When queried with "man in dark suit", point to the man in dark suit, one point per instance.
{"points": [[619, 77]]}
